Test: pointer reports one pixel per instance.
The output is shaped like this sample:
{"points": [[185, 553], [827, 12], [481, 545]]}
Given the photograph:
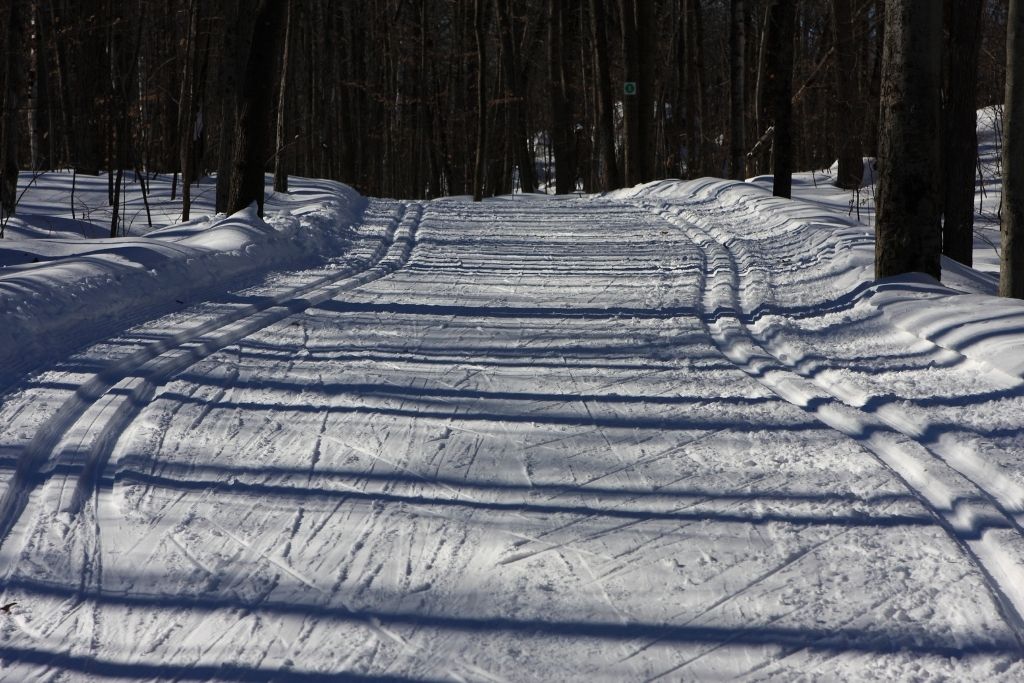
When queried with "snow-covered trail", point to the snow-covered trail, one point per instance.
{"points": [[532, 439]]}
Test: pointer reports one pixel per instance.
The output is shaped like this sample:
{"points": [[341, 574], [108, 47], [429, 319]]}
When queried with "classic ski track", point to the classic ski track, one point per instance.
{"points": [[1002, 492], [84, 429], [963, 458], [723, 321]]}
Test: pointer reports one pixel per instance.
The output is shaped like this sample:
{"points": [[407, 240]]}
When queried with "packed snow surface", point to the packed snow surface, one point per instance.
{"points": [[671, 433]]}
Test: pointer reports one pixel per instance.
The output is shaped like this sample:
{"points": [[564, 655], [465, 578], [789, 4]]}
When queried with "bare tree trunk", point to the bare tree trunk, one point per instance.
{"points": [[851, 163], [280, 173], [646, 26], [872, 120], [481, 89], [737, 67], [253, 131], [229, 74], [39, 132], [694, 89], [960, 127], [603, 87], [780, 93], [63, 99], [186, 107], [9, 97], [908, 238], [1011, 272], [520, 133], [561, 123], [632, 150]]}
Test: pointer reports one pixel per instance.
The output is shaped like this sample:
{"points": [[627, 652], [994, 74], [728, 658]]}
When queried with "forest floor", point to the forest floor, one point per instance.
{"points": [[674, 432]]}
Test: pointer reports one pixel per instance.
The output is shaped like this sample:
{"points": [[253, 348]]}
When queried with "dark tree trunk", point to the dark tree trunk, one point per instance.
{"points": [[632, 148], [847, 100], [39, 134], [959, 127], [694, 89], [561, 122], [1011, 272], [61, 90], [907, 235], [603, 86], [229, 76], [874, 109], [280, 173], [646, 29], [479, 31], [186, 110], [779, 93], [9, 98], [519, 130], [737, 67], [253, 131]]}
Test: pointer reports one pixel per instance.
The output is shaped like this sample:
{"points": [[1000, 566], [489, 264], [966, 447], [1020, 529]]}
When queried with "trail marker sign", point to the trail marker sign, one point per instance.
{"points": [[629, 88]]}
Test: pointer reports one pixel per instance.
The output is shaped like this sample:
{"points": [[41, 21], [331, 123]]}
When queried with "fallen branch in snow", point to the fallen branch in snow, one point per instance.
{"points": [[768, 135]]}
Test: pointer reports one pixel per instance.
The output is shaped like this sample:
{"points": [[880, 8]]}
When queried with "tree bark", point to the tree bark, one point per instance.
{"points": [[780, 93], [694, 89], [186, 110], [907, 235], [253, 130], [959, 127], [479, 31], [632, 148], [63, 99], [11, 81], [603, 87], [874, 89], [561, 122], [229, 76], [1011, 272], [851, 164], [647, 80], [39, 133], [519, 132], [737, 67], [280, 173]]}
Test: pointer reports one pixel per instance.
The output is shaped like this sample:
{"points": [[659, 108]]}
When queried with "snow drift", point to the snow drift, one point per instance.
{"points": [[56, 294]]}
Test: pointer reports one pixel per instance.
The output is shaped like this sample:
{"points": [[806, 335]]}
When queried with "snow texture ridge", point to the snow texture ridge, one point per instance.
{"points": [[101, 284], [839, 250], [669, 433]]}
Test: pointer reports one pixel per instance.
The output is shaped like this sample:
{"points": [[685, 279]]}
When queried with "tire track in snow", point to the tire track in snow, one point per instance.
{"points": [[82, 432], [971, 516]]}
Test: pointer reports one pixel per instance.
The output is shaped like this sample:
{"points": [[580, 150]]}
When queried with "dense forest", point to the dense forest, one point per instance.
{"points": [[383, 94], [423, 98]]}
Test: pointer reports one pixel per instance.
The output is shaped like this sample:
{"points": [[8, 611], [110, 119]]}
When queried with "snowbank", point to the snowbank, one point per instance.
{"points": [[56, 294], [803, 241]]}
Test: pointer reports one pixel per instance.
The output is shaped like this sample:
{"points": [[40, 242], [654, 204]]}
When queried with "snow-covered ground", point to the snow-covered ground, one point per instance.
{"points": [[671, 433], [64, 282]]}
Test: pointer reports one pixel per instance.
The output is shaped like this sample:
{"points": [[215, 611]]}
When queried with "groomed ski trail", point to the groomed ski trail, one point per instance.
{"points": [[525, 439]]}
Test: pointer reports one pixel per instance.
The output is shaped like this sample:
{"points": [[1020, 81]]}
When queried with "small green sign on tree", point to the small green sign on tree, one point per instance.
{"points": [[629, 88]]}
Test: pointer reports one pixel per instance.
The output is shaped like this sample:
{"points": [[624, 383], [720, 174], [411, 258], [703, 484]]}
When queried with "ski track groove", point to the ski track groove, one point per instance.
{"points": [[102, 414], [114, 395], [789, 561], [743, 347]]}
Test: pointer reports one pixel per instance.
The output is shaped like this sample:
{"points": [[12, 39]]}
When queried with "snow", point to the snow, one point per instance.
{"points": [[674, 432], [62, 290]]}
